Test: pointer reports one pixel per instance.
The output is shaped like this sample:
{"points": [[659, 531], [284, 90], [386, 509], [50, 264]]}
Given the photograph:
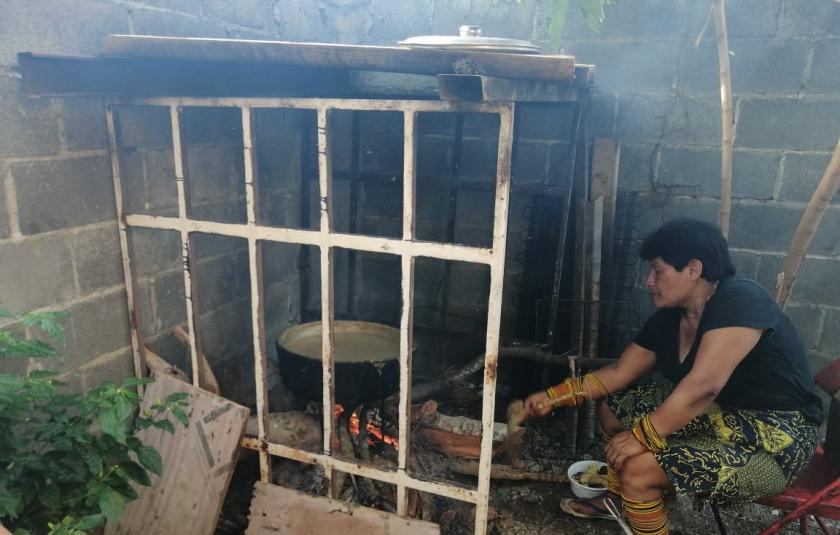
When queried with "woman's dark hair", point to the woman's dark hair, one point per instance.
{"points": [[680, 240]]}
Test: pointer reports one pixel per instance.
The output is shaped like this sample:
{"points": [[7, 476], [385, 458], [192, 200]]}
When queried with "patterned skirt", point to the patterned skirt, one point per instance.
{"points": [[725, 455]]}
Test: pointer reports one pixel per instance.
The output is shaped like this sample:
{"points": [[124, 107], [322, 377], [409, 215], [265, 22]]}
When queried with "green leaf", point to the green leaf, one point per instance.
{"points": [[50, 497], [87, 523], [150, 459], [42, 374], [134, 444], [181, 415], [112, 425], [123, 407], [111, 504], [8, 503], [135, 472], [166, 425], [135, 381], [176, 397], [558, 21], [94, 462]]}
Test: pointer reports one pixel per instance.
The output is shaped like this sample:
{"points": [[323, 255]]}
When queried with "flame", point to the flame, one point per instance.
{"points": [[372, 429]]}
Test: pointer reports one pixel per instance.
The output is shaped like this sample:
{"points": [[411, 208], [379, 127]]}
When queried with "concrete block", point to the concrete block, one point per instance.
{"points": [[379, 275], [432, 206], [280, 262], [428, 277], [483, 126], [634, 167], [600, 121], [381, 198], [745, 263], [440, 124], [807, 320], [30, 126], [652, 19], [225, 211], [98, 326], [155, 251], [810, 19], [301, 21], [145, 126], [788, 123], [687, 120], [755, 18], [212, 125], [475, 208], [170, 305], [629, 66], [5, 231], [214, 173], [395, 21], [815, 284], [542, 122], [222, 280], [703, 209], [184, 6], [84, 123], [133, 181], [115, 368], [153, 22], [802, 173], [61, 194], [98, 259], [697, 172], [830, 336], [160, 179], [280, 209], [755, 65], [650, 210], [212, 245], [469, 288], [45, 260], [371, 225], [31, 26], [559, 164], [770, 227], [474, 235], [825, 71], [530, 163]]}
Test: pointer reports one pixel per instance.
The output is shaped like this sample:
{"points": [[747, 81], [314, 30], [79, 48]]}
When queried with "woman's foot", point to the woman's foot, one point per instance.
{"points": [[588, 507]]}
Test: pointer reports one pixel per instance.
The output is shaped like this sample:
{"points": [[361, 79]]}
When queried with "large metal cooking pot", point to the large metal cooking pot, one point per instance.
{"points": [[366, 360]]}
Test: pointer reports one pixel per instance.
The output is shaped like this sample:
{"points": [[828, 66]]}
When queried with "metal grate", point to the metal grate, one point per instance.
{"points": [[408, 248]]}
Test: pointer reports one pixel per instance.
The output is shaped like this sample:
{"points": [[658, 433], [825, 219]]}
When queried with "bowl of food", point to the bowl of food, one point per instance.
{"points": [[588, 478]]}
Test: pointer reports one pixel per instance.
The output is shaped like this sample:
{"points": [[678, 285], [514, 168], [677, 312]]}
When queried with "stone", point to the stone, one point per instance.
{"points": [[788, 123], [770, 227], [698, 172], [99, 326], [35, 273], [31, 27], [629, 66], [60, 194], [30, 126], [801, 176], [825, 70], [97, 258], [84, 123]]}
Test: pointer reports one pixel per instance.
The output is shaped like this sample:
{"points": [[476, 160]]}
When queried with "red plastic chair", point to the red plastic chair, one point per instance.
{"points": [[816, 491]]}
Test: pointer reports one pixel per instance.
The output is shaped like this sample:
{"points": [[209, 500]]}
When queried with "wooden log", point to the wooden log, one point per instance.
{"points": [[291, 428], [155, 363], [206, 376], [807, 228], [501, 471], [454, 444], [727, 137]]}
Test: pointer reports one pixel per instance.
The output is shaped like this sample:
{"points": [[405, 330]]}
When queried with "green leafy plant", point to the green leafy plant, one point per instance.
{"points": [[68, 460], [592, 10]]}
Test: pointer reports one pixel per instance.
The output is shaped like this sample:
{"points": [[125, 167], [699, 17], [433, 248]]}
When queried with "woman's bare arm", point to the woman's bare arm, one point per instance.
{"points": [[720, 351], [634, 363]]}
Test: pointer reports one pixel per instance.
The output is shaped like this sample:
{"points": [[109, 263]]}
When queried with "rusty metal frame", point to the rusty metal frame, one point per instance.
{"points": [[407, 247]]}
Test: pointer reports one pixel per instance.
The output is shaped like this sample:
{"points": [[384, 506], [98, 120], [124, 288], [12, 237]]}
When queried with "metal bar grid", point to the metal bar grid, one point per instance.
{"points": [[407, 247]]}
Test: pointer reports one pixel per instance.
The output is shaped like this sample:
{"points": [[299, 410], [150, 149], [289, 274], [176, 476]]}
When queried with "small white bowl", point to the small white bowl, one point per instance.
{"points": [[579, 490]]}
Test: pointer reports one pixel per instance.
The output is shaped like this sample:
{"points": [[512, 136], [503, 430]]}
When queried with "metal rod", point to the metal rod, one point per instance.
{"points": [[256, 276], [407, 290], [374, 244], [394, 477], [494, 313], [327, 302], [126, 248], [186, 245]]}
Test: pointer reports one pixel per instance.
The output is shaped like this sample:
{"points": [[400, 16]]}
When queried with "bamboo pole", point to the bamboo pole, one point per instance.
{"points": [[727, 138], [807, 228]]}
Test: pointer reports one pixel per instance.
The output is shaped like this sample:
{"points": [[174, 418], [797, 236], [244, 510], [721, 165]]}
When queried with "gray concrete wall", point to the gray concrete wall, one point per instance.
{"points": [[58, 242]]}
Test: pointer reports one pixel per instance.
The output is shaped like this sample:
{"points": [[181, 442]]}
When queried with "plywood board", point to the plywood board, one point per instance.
{"points": [[198, 462], [280, 510]]}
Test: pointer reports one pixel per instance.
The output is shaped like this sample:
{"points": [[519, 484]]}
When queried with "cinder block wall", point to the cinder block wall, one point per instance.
{"points": [[58, 242]]}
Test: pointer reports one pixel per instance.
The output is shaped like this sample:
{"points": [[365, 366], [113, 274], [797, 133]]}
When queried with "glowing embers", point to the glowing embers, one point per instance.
{"points": [[377, 430]]}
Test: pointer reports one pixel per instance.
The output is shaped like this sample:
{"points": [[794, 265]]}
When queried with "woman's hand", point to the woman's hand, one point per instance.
{"points": [[538, 404], [623, 446]]}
